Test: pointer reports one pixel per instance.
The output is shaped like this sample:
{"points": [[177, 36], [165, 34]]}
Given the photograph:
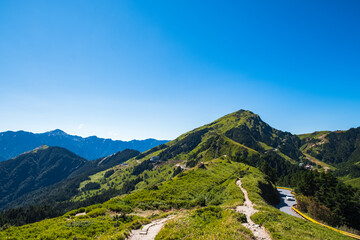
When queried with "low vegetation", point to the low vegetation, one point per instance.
{"points": [[281, 225], [340, 149], [327, 199], [210, 190], [189, 189], [355, 182], [212, 185], [206, 223], [99, 223]]}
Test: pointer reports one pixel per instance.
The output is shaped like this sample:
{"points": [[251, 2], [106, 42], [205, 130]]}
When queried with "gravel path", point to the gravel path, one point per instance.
{"points": [[248, 209], [149, 231]]}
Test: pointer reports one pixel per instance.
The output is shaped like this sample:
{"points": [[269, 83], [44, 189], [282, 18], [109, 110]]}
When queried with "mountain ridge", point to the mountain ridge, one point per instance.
{"points": [[214, 140], [242, 127], [339, 149], [14, 143], [38, 170]]}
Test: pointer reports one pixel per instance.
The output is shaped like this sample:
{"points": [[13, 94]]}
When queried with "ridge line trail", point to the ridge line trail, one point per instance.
{"points": [[149, 231], [248, 209]]}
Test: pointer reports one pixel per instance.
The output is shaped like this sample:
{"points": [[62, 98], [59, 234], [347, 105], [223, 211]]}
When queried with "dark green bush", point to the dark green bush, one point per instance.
{"points": [[91, 186], [109, 173], [120, 208], [240, 217]]}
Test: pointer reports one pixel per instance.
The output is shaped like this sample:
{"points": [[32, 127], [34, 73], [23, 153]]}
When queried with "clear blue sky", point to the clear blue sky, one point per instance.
{"points": [[140, 69]]}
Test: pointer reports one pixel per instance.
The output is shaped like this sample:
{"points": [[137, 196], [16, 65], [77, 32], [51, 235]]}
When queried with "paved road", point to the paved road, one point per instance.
{"points": [[285, 205]]}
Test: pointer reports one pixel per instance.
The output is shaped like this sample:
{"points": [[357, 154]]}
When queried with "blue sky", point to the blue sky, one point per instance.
{"points": [[140, 69]]}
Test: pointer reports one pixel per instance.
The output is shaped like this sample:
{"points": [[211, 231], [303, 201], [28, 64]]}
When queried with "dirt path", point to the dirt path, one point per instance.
{"points": [[149, 231], [248, 209]]}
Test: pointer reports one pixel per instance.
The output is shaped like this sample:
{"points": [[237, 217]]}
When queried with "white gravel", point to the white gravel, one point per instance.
{"points": [[149, 231]]}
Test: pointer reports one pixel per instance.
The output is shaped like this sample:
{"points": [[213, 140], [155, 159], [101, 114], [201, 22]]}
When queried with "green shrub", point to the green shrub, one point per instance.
{"points": [[263, 218], [91, 186], [74, 212], [240, 217], [137, 223], [208, 214], [120, 208], [109, 173], [119, 236], [317, 210], [79, 223], [92, 207], [96, 212]]}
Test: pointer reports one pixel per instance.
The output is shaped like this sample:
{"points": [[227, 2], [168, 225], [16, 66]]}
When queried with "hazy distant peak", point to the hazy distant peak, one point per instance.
{"points": [[57, 132], [91, 148]]}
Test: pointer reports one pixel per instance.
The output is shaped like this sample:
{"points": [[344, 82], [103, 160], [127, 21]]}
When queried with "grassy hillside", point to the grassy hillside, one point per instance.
{"points": [[339, 151], [192, 177], [213, 185], [355, 182], [241, 136], [242, 130], [279, 224], [210, 194], [206, 223], [52, 200], [227, 225], [314, 135]]}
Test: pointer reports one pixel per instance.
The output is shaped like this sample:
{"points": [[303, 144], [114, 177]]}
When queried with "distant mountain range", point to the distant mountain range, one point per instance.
{"points": [[13, 144]]}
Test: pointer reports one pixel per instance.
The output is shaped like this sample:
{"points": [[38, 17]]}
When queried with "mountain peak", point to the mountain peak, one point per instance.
{"points": [[35, 169], [57, 132], [242, 129], [42, 147], [242, 113], [236, 119]]}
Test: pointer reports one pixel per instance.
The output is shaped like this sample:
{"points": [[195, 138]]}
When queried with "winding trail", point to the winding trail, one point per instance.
{"points": [[149, 231], [248, 209]]}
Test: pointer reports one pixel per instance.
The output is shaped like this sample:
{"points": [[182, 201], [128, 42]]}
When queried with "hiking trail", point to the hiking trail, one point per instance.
{"points": [[248, 209], [149, 231]]}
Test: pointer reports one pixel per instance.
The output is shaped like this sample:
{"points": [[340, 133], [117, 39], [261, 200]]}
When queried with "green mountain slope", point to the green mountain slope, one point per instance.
{"points": [[340, 149], [215, 181], [355, 182], [241, 136], [62, 191], [39, 168]]}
